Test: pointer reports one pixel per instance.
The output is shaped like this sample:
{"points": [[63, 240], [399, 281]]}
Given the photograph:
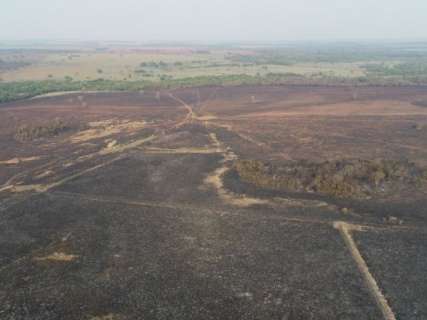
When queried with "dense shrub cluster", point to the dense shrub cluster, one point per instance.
{"points": [[33, 132], [11, 91], [346, 178]]}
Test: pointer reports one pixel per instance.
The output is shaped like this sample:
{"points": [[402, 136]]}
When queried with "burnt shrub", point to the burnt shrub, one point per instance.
{"points": [[342, 178], [50, 129]]}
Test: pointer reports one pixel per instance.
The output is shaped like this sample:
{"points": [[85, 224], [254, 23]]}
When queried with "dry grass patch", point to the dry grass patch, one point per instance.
{"points": [[58, 256], [109, 316], [15, 161], [107, 128]]}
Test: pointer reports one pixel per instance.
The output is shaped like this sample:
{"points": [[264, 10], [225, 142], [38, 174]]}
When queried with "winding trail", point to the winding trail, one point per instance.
{"points": [[190, 113]]}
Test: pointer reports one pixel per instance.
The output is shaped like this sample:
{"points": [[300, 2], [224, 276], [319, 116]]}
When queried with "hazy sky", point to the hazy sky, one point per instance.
{"points": [[213, 20]]}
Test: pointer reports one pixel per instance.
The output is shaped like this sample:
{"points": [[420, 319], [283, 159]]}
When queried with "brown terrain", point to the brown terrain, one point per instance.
{"points": [[263, 202]]}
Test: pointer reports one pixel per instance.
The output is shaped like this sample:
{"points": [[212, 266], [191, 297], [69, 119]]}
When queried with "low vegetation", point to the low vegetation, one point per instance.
{"points": [[6, 65], [12, 91], [346, 178], [53, 128], [421, 103], [411, 71]]}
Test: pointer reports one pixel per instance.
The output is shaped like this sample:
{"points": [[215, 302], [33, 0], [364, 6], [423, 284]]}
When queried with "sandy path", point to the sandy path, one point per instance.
{"points": [[345, 231], [190, 113]]}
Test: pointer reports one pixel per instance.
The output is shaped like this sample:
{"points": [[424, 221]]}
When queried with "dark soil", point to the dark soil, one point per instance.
{"points": [[398, 262], [137, 233], [168, 263]]}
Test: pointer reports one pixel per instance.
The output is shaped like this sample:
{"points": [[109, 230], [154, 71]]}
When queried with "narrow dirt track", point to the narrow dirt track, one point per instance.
{"points": [[190, 113], [345, 231]]}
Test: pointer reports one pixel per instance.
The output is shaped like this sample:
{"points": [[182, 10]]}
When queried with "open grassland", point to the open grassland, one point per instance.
{"points": [[140, 65]]}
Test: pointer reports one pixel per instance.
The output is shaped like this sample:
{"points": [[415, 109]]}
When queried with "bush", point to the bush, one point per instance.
{"points": [[51, 129], [346, 178]]}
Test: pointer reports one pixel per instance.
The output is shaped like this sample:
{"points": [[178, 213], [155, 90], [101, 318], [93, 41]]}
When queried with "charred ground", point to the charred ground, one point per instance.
{"points": [[137, 205]]}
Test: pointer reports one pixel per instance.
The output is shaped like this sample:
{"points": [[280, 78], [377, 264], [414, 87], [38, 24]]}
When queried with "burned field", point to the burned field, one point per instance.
{"points": [[266, 202]]}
